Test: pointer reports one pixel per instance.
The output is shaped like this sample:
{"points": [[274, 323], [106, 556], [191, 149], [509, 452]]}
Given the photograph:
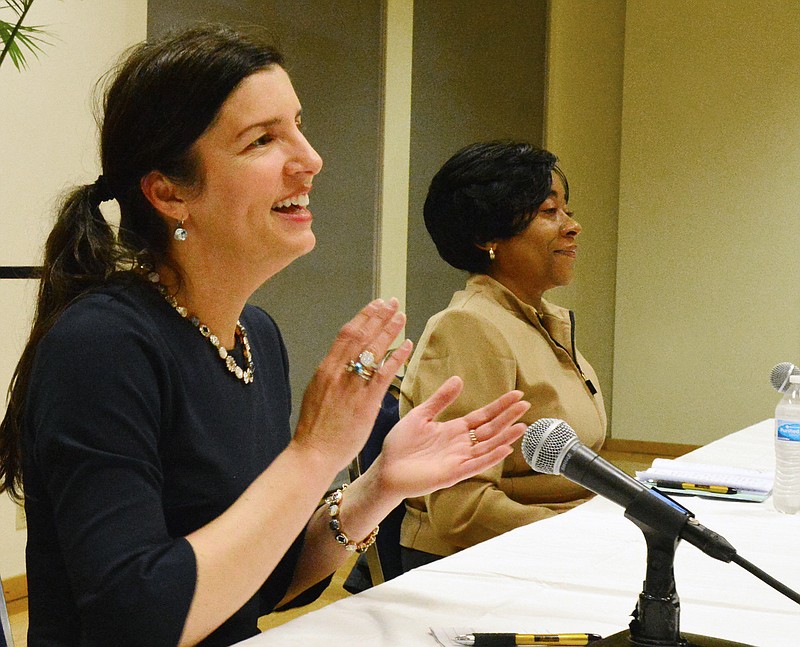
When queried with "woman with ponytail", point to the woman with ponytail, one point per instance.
{"points": [[147, 427]]}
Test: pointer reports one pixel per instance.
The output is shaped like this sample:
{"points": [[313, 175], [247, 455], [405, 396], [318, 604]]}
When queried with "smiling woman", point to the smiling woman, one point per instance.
{"points": [[499, 210], [249, 218], [541, 256], [148, 419]]}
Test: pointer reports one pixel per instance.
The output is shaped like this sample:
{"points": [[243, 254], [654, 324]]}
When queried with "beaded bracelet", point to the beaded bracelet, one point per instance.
{"points": [[333, 501]]}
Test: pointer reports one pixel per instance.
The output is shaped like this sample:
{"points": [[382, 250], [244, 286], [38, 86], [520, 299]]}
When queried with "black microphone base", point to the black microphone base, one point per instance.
{"points": [[623, 639]]}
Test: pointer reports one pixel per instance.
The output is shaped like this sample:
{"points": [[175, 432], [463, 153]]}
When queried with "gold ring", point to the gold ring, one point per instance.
{"points": [[364, 372], [473, 437]]}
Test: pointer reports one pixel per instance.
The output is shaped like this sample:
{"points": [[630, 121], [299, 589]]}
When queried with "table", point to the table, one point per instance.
{"points": [[582, 571]]}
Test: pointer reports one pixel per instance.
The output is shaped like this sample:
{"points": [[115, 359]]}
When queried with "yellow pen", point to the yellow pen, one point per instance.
{"points": [[679, 485], [511, 640]]}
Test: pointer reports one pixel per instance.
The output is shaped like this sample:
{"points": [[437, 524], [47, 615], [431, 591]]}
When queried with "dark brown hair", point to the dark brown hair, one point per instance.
{"points": [[163, 95]]}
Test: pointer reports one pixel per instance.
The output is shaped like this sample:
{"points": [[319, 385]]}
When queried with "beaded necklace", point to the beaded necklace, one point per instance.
{"points": [[245, 375]]}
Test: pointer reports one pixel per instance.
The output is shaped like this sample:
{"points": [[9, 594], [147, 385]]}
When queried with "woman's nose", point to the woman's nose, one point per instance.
{"points": [[305, 160], [571, 227]]}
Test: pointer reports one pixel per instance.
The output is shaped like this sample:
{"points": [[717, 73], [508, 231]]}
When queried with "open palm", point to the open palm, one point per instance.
{"points": [[421, 455]]}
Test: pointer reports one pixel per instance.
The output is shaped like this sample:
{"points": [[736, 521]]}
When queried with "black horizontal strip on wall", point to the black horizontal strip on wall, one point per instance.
{"points": [[20, 272]]}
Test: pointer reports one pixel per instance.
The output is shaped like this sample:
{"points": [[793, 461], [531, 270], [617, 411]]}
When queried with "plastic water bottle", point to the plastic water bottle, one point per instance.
{"points": [[786, 491]]}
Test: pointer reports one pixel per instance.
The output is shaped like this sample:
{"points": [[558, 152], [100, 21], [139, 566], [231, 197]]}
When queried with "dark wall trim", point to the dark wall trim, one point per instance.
{"points": [[19, 272]]}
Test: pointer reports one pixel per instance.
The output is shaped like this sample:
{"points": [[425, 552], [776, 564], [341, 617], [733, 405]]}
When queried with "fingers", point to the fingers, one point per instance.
{"points": [[493, 448], [500, 437], [482, 462], [445, 395], [357, 332], [377, 307], [393, 363], [476, 418], [382, 340], [487, 453], [373, 329], [377, 324], [489, 430]]}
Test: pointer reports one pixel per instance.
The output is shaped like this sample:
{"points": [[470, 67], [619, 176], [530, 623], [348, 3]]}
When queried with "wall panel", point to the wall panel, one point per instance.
{"points": [[334, 56], [707, 268], [478, 74]]}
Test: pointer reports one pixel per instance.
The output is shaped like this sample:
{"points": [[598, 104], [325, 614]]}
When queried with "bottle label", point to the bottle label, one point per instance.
{"points": [[788, 429]]}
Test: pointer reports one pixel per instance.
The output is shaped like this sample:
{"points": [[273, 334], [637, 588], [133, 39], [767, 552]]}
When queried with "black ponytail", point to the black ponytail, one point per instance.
{"points": [[80, 253]]}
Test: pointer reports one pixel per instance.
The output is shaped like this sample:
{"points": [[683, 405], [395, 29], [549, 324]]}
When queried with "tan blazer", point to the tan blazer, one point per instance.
{"points": [[496, 343]]}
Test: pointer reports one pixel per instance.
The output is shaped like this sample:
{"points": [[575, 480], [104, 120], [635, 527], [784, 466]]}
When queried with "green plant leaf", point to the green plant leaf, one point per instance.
{"points": [[28, 37], [19, 5], [16, 37]]}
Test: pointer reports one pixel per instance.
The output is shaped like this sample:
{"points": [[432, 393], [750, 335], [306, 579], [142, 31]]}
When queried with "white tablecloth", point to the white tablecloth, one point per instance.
{"points": [[582, 571]]}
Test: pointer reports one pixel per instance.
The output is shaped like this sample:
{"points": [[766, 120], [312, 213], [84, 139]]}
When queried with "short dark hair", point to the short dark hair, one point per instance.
{"points": [[486, 191]]}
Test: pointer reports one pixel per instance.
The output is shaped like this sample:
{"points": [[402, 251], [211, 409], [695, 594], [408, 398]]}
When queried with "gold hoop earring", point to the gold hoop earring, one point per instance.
{"points": [[491, 253]]}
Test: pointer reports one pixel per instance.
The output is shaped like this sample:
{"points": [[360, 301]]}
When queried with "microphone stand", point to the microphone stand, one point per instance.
{"points": [[656, 619]]}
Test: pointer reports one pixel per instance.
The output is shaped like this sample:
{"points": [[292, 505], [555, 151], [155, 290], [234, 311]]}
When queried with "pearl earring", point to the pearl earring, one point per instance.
{"points": [[491, 253], [180, 233]]}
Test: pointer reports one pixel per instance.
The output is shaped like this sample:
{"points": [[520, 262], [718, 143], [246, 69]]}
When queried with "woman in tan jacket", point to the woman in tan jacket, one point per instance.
{"points": [[499, 210]]}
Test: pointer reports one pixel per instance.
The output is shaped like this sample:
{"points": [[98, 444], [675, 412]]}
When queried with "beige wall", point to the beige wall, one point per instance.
{"points": [[48, 140], [678, 125], [582, 127], [707, 266]]}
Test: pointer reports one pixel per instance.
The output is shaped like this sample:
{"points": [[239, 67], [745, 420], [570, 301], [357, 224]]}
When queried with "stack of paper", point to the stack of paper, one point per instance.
{"points": [[721, 481]]}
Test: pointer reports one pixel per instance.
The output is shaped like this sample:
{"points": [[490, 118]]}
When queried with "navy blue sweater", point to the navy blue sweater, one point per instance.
{"points": [[136, 435]]}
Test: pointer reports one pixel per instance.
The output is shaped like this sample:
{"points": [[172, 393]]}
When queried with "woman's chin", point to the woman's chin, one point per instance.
{"points": [[304, 246], [311, 244]]}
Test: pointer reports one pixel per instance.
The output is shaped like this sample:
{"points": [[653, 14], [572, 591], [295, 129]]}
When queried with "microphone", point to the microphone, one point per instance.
{"points": [[550, 446], [780, 374]]}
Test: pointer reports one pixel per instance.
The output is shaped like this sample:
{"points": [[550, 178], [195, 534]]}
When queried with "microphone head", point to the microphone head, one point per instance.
{"points": [[780, 374], [545, 444]]}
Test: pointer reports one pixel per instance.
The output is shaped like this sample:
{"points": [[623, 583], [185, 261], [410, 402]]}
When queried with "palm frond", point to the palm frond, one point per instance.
{"points": [[17, 38], [29, 38], [18, 5]]}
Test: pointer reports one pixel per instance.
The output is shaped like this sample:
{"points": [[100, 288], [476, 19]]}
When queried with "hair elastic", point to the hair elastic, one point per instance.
{"points": [[101, 192]]}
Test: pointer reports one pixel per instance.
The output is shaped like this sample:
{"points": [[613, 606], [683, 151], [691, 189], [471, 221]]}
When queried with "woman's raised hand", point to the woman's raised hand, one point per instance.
{"points": [[342, 401], [420, 455]]}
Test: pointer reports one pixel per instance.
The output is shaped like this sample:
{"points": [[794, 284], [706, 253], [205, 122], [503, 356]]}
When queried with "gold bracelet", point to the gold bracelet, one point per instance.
{"points": [[334, 503]]}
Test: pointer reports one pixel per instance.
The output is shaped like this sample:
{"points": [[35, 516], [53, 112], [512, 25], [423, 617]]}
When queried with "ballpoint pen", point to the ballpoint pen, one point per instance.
{"points": [[510, 640], [680, 485]]}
